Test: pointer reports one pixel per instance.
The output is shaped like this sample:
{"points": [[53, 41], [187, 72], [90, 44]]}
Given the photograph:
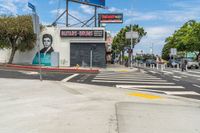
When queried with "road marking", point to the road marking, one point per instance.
{"points": [[168, 72], [187, 74], [149, 86], [136, 79], [126, 77], [181, 93], [70, 77], [146, 96], [176, 80], [128, 82], [194, 72], [196, 85], [152, 72], [177, 77], [29, 73]]}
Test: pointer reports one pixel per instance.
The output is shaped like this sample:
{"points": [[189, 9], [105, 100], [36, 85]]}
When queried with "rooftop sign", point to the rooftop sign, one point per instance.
{"points": [[111, 18], [98, 3], [82, 33]]}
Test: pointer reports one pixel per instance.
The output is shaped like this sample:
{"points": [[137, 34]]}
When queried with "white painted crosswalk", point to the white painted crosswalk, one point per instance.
{"points": [[141, 81]]}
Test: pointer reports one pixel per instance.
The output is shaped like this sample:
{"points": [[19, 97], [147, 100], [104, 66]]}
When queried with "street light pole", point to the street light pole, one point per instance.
{"points": [[36, 29], [131, 49]]}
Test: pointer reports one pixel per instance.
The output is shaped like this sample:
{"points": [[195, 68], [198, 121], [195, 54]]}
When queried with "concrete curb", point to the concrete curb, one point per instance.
{"points": [[51, 69]]}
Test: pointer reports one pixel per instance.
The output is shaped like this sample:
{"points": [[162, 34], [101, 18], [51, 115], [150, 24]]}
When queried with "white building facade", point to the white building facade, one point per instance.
{"points": [[64, 46]]}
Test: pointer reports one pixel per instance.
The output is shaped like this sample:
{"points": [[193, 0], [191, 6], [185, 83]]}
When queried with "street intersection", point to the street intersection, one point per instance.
{"points": [[168, 81]]}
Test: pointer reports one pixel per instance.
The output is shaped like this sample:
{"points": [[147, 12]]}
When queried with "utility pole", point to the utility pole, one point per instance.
{"points": [[95, 16], [131, 47], [67, 13], [36, 29]]}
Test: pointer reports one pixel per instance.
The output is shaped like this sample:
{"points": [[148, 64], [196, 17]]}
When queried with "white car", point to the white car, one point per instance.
{"points": [[192, 64]]}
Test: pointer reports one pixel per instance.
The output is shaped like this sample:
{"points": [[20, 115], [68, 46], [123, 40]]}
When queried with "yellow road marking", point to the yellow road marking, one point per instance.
{"points": [[147, 96], [123, 71]]}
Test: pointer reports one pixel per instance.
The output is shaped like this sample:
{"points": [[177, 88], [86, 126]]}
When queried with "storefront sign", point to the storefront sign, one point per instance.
{"points": [[82, 33], [111, 18], [98, 3]]}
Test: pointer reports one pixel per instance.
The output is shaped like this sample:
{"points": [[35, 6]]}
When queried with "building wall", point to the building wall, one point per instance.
{"points": [[59, 44]]}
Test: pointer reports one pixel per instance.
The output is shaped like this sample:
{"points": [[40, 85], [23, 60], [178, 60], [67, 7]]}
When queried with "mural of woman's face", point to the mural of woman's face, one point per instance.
{"points": [[47, 42]]}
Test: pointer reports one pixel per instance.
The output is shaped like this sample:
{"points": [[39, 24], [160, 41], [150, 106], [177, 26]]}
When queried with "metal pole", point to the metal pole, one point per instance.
{"points": [[38, 45], [67, 12], [95, 16], [91, 52], [131, 48]]}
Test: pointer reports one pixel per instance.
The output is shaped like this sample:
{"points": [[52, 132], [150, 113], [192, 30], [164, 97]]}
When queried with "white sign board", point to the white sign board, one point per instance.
{"points": [[133, 35], [173, 51]]}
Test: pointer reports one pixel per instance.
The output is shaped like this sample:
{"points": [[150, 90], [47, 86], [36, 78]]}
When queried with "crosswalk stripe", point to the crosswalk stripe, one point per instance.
{"points": [[194, 72], [153, 78], [127, 82], [186, 74], [136, 79], [177, 77], [196, 85], [149, 86], [152, 72], [181, 93], [168, 72]]}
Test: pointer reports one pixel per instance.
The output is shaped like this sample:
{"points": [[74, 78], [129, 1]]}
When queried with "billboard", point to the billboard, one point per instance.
{"points": [[82, 33], [111, 18], [98, 3]]}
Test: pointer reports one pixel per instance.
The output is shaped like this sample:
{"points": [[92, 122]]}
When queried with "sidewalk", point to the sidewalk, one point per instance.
{"points": [[31, 106]]}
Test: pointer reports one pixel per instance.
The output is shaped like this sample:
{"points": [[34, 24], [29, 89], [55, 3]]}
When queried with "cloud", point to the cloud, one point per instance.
{"points": [[155, 35], [11, 7], [87, 9]]}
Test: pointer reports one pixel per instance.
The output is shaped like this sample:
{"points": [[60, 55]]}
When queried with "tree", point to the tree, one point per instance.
{"points": [[186, 39], [16, 34], [120, 41]]}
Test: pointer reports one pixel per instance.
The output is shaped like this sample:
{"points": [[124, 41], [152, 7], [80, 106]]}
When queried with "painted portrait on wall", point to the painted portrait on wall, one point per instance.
{"points": [[45, 52]]}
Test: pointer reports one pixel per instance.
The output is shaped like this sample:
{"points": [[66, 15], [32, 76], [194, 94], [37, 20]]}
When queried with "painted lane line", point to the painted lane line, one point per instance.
{"points": [[168, 72], [70, 77], [127, 82], [181, 93], [176, 80], [127, 77], [136, 77], [153, 72], [194, 72], [187, 74], [196, 85], [148, 86], [177, 77], [153, 80]]}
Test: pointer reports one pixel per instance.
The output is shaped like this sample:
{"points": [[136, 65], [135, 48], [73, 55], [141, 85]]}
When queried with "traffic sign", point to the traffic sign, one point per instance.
{"points": [[132, 34], [173, 51], [31, 6]]}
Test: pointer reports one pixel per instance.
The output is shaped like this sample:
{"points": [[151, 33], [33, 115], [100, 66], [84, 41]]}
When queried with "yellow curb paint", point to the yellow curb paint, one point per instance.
{"points": [[147, 96]]}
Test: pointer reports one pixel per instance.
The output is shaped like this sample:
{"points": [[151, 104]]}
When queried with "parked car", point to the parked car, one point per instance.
{"points": [[191, 63], [150, 62]]}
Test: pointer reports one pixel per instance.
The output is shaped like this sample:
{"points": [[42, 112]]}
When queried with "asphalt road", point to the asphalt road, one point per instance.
{"points": [[169, 82]]}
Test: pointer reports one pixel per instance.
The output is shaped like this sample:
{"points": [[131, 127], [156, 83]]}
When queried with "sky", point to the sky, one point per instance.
{"points": [[160, 18]]}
